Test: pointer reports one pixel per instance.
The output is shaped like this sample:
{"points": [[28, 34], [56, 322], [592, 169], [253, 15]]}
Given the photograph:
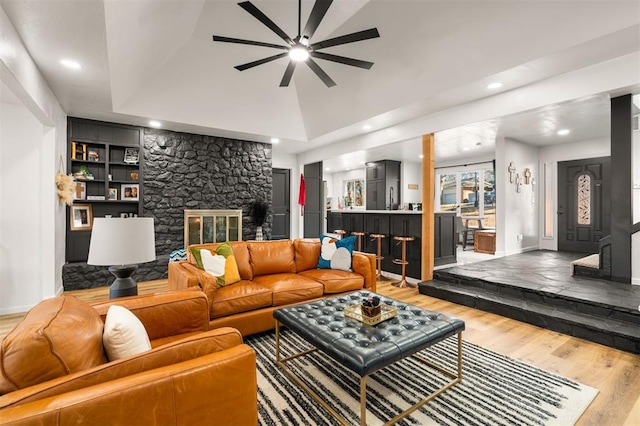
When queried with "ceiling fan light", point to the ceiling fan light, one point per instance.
{"points": [[299, 54]]}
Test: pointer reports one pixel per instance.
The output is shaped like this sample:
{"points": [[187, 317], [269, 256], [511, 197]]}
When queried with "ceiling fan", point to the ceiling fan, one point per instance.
{"points": [[300, 49]]}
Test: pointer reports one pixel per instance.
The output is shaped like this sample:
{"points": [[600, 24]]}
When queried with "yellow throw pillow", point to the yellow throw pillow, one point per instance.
{"points": [[221, 265]]}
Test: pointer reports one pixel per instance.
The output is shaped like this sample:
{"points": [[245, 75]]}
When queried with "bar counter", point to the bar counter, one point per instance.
{"points": [[401, 223]]}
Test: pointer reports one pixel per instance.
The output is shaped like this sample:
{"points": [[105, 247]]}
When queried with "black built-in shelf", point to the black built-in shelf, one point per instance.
{"points": [[110, 170]]}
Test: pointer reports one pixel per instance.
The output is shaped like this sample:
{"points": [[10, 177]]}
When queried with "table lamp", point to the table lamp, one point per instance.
{"points": [[122, 243]]}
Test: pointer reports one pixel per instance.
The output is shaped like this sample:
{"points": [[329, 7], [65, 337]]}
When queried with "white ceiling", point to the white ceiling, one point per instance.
{"points": [[156, 60]]}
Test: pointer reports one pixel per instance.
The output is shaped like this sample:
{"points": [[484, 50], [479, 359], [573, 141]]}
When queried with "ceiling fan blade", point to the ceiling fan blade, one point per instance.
{"points": [[349, 38], [320, 73], [288, 73], [317, 13], [249, 42], [249, 7], [342, 60], [260, 62]]}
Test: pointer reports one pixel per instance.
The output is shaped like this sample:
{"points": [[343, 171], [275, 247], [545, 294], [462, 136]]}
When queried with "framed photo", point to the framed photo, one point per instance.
{"points": [[112, 194], [81, 217], [129, 192], [80, 190], [131, 155]]}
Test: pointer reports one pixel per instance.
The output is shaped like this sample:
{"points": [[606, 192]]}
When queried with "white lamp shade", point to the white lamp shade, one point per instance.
{"points": [[122, 241]]}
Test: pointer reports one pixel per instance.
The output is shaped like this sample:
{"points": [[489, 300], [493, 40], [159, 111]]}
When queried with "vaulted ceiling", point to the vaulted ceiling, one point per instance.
{"points": [[146, 60]]}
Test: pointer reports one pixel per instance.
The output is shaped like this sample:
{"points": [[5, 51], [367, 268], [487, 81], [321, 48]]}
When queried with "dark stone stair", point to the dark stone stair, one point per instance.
{"points": [[595, 310]]}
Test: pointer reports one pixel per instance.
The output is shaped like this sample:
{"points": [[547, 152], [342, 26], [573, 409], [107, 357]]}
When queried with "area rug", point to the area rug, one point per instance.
{"points": [[495, 389]]}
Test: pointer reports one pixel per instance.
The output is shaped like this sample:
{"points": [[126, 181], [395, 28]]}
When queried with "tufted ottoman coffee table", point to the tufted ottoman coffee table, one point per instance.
{"points": [[364, 348]]}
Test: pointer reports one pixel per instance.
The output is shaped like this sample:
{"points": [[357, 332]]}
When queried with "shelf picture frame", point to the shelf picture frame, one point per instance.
{"points": [[130, 192], [131, 155], [81, 217], [112, 194], [79, 190]]}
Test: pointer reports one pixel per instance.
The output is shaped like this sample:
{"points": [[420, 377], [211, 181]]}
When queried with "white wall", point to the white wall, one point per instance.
{"points": [[411, 174], [550, 156], [20, 225], [635, 258], [46, 252], [516, 212]]}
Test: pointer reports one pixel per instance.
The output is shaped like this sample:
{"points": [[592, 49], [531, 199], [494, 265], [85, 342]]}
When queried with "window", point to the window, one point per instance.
{"points": [[469, 192], [584, 200], [353, 194]]}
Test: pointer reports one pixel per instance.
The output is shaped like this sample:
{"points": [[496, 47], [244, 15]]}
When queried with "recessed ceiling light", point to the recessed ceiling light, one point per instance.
{"points": [[563, 132], [155, 123], [421, 156], [348, 169], [71, 64], [366, 127], [327, 169], [275, 140], [466, 148], [494, 85]]}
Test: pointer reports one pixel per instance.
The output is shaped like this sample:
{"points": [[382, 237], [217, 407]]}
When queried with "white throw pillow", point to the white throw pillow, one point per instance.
{"points": [[124, 335], [213, 263]]}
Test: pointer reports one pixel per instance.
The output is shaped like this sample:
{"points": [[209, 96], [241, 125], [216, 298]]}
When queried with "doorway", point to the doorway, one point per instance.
{"points": [[281, 227], [584, 204]]}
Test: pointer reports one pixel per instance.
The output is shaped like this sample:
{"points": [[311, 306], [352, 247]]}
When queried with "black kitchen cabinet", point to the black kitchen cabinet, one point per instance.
{"points": [[383, 185]]}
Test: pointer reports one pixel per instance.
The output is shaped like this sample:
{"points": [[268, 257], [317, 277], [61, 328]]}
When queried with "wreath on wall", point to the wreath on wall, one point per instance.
{"points": [[64, 183]]}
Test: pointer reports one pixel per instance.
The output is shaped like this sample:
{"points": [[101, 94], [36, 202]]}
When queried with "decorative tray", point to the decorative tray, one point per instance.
{"points": [[386, 312]]}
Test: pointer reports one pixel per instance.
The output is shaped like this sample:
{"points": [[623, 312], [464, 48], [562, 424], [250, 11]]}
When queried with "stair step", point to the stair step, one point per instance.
{"points": [[537, 294], [620, 334]]}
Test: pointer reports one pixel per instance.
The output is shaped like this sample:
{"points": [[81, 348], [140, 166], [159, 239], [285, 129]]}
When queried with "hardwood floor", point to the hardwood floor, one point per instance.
{"points": [[616, 374]]}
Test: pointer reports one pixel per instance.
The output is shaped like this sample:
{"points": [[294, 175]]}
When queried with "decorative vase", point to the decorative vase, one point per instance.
{"points": [[370, 311], [259, 233]]}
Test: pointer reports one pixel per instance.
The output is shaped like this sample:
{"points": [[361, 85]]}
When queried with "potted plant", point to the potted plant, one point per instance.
{"points": [[258, 212], [82, 173]]}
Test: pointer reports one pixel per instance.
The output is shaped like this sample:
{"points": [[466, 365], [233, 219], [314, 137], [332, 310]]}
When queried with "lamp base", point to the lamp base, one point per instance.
{"points": [[124, 285]]}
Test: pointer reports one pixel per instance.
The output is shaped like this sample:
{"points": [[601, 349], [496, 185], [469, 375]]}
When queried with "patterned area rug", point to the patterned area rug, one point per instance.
{"points": [[495, 390]]}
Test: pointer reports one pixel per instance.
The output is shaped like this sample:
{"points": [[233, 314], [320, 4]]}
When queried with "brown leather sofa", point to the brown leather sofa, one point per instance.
{"points": [[53, 369], [274, 274]]}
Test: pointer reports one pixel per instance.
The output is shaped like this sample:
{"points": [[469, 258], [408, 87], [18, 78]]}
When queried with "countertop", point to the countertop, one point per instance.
{"points": [[375, 211]]}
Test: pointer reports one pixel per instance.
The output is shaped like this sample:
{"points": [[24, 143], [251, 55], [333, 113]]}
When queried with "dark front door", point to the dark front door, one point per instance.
{"points": [[281, 204], [584, 203]]}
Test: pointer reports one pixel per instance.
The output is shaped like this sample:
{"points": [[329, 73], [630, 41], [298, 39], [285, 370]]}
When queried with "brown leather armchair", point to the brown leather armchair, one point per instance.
{"points": [[192, 375]]}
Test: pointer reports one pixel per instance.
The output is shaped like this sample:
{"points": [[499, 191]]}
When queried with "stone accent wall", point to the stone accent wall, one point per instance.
{"points": [[185, 171]]}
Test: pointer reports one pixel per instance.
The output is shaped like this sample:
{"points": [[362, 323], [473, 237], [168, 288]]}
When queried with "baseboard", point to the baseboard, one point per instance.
{"points": [[635, 281], [518, 251], [16, 309]]}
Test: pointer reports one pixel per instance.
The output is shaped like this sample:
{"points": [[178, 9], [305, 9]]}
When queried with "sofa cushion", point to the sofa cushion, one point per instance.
{"points": [[336, 254], [57, 337], [290, 288], [241, 297], [334, 280], [307, 253], [124, 335], [272, 257], [221, 265]]}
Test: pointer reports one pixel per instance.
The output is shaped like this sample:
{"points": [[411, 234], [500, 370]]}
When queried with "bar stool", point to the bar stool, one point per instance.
{"points": [[340, 232], [359, 235], [403, 282], [379, 257]]}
